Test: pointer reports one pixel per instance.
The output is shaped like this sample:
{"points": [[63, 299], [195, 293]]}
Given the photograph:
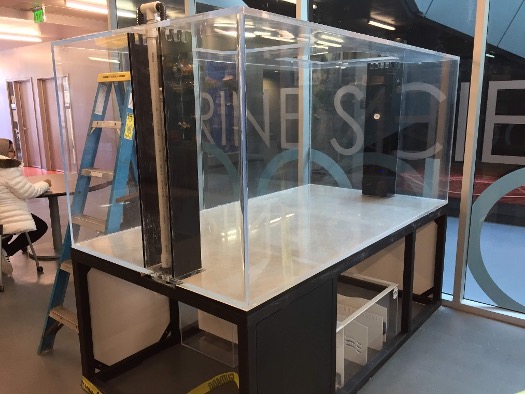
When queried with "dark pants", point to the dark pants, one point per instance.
{"points": [[20, 242]]}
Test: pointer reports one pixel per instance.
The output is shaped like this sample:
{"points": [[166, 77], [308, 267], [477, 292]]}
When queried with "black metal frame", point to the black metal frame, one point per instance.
{"points": [[247, 321]]}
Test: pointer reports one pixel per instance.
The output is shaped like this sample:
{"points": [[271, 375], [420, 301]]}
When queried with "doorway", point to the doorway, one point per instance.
{"points": [[52, 125], [25, 128]]}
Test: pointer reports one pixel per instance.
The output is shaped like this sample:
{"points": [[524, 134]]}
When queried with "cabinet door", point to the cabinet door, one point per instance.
{"points": [[295, 346]]}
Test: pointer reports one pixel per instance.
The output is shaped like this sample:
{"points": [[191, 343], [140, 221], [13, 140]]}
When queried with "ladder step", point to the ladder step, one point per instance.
{"points": [[90, 222], [127, 197], [98, 173], [65, 316], [106, 124], [67, 266]]}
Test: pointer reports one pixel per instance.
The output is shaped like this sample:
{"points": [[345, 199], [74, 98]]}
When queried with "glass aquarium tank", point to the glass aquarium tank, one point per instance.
{"points": [[238, 153]]}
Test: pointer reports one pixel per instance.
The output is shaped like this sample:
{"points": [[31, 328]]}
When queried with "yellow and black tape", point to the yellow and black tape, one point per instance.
{"points": [[130, 126], [89, 387], [215, 382], [114, 77]]}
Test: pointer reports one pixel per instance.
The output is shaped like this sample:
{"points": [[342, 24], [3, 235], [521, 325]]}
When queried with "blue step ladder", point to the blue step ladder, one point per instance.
{"points": [[59, 316]]}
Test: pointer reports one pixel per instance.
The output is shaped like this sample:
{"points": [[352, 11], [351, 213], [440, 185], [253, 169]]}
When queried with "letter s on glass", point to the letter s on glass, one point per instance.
{"points": [[358, 131]]}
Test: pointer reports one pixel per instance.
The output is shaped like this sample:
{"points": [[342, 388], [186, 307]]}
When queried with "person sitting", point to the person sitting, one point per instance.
{"points": [[14, 212]]}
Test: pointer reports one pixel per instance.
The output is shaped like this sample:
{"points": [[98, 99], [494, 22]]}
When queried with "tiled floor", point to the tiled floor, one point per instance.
{"points": [[452, 353]]}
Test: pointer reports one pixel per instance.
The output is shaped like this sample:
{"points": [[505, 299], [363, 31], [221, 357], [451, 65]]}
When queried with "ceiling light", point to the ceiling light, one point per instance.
{"points": [[489, 55], [285, 34], [101, 59], [290, 1], [15, 37], [92, 6], [381, 25], [19, 27], [331, 38], [279, 39], [330, 44], [233, 33]]}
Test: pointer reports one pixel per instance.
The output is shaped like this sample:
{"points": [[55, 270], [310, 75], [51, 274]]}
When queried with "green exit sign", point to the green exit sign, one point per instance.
{"points": [[39, 14]]}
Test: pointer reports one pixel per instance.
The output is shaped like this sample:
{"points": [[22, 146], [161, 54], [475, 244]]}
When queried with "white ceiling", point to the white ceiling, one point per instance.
{"points": [[61, 21]]}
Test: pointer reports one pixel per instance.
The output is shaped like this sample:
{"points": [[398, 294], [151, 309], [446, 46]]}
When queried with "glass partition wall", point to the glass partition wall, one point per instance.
{"points": [[495, 236]]}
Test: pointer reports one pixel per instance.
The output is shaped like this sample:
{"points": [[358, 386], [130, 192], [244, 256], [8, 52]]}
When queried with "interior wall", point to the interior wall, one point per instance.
{"points": [[20, 64], [34, 62]]}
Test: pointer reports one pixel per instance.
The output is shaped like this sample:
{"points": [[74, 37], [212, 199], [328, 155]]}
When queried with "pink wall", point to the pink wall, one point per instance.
{"points": [[36, 62], [17, 64]]}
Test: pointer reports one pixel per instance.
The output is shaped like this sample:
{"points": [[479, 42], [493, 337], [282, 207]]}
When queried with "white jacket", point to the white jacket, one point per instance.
{"points": [[14, 190]]}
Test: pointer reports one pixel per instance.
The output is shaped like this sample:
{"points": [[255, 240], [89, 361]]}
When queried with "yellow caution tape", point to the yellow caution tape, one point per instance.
{"points": [[88, 387], [114, 77], [130, 125], [215, 382]]}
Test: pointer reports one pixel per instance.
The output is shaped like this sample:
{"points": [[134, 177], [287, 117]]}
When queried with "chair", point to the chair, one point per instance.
{"points": [[39, 268]]}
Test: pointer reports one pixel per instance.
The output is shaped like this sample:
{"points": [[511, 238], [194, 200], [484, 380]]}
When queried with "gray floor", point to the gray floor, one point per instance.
{"points": [[455, 352], [452, 353], [501, 247], [23, 306]]}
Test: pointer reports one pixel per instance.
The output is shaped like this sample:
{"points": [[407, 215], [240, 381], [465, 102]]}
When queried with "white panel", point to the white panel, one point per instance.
{"points": [[134, 319], [373, 318], [425, 258], [385, 265], [356, 342], [340, 355], [388, 263]]}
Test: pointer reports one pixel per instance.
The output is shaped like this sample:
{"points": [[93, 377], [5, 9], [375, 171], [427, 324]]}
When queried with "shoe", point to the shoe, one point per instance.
{"points": [[7, 267]]}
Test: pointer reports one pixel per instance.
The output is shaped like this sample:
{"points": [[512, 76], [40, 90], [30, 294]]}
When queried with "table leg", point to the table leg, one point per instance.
{"points": [[56, 230]]}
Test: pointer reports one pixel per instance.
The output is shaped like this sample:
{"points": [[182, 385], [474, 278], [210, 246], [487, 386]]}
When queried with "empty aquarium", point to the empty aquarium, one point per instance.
{"points": [[238, 153]]}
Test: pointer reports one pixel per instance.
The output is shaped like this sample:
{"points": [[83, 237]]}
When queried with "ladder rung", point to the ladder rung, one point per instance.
{"points": [[65, 316], [89, 221], [95, 172], [127, 197], [108, 124], [67, 266]]}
